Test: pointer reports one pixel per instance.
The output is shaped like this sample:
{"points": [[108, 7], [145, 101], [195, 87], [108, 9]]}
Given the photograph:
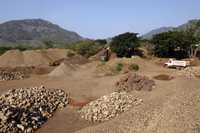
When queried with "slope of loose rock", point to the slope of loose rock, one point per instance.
{"points": [[108, 106], [24, 110]]}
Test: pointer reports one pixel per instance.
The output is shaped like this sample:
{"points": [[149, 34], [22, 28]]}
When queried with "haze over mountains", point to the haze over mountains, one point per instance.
{"points": [[35, 31], [193, 25]]}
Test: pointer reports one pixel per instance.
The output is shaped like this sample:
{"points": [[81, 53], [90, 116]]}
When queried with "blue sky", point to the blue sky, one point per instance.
{"points": [[103, 18]]}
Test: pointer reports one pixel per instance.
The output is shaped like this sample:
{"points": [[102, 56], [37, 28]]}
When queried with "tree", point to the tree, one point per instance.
{"points": [[124, 44], [86, 48], [176, 44]]}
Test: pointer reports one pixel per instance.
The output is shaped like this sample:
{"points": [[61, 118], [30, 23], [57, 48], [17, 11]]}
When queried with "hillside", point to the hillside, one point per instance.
{"points": [[34, 32], [192, 25], [150, 34]]}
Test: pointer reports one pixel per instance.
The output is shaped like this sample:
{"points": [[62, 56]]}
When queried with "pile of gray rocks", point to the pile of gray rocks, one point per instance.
{"points": [[24, 110], [108, 106], [4, 75]]}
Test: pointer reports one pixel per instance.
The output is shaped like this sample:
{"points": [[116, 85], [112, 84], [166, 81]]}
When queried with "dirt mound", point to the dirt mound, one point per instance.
{"points": [[74, 60], [15, 58], [36, 58], [133, 81], [108, 106], [62, 70], [12, 58], [163, 77]]}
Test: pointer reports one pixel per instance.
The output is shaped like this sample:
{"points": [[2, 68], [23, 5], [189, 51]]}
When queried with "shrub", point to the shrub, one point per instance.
{"points": [[134, 67], [71, 54], [86, 48], [119, 67]]}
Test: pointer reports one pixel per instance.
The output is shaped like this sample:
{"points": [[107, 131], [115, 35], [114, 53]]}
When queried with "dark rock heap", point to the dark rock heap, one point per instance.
{"points": [[24, 110]]}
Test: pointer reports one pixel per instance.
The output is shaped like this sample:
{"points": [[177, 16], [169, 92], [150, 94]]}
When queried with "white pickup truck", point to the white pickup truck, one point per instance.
{"points": [[171, 63]]}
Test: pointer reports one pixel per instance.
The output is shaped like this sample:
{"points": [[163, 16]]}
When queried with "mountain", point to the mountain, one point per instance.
{"points": [[192, 25], [150, 34], [35, 31]]}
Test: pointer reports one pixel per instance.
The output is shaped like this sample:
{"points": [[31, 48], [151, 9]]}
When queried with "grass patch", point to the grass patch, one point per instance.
{"points": [[119, 67]]}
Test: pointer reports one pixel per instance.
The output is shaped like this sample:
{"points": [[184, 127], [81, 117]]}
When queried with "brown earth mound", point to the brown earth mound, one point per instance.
{"points": [[74, 60], [12, 58], [15, 58], [133, 81], [62, 70]]}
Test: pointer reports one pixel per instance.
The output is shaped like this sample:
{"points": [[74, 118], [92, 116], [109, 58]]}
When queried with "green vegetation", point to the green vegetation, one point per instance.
{"points": [[119, 67], [86, 48], [3, 49], [134, 67], [125, 44], [173, 44]]}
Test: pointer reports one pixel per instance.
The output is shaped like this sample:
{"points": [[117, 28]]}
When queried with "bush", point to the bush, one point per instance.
{"points": [[86, 48], [71, 54], [173, 44], [119, 67], [134, 67], [125, 44]]}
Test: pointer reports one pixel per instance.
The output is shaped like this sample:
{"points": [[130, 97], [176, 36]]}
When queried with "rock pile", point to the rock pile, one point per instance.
{"points": [[190, 72], [133, 81], [5, 75], [108, 106], [24, 110]]}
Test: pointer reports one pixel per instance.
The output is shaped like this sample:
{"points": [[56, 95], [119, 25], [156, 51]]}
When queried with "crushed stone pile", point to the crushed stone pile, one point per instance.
{"points": [[24, 110], [108, 106], [133, 81], [190, 72], [5, 75]]}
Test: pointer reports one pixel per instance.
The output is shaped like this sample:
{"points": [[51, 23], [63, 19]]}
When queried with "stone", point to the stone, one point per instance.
{"points": [[108, 107], [26, 109]]}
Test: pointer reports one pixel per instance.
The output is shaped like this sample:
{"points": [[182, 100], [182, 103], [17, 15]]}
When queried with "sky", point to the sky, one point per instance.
{"points": [[103, 18]]}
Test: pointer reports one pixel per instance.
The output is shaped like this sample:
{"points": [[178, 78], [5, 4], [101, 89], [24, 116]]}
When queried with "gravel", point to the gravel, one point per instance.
{"points": [[108, 106], [132, 81], [4, 75], [24, 110]]}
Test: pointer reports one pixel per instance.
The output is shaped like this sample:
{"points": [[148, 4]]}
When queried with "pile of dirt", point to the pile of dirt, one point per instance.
{"points": [[132, 81], [62, 70], [5, 75], [108, 106], [74, 60], [16, 58], [24, 110], [12, 58], [163, 77]]}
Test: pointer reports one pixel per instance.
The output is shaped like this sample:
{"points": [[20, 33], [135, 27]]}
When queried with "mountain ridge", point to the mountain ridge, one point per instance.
{"points": [[35, 30]]}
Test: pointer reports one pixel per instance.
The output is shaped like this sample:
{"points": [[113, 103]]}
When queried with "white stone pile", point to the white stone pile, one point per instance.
{"points": [[108, 106]]}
